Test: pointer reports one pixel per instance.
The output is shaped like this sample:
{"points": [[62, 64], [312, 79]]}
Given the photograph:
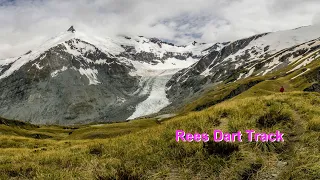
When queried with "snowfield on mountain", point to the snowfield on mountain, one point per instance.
{"points": [[80, 78]]}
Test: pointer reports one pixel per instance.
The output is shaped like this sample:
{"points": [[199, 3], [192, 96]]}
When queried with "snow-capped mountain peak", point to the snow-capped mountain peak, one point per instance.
{"points": [[71, 29], [252, 56], [77, 77]]}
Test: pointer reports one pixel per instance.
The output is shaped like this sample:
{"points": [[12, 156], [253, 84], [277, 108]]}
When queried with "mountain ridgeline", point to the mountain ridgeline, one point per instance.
{"points": [[77, 78], [254, 56]]}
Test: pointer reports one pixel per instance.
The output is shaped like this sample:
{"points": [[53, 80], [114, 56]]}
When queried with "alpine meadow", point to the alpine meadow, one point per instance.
{"points": [[87, 106]]}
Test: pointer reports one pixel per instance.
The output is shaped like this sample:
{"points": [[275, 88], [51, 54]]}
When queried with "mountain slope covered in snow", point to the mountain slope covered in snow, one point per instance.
{"points": [[254, 56], [79, 78], [74, 77]]}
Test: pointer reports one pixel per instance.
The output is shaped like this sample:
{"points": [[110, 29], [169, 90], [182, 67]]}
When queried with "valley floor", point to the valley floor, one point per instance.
{"points": [[146, 149]]}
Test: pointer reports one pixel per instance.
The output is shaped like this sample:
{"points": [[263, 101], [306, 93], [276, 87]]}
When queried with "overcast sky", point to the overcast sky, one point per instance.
{"points": [[25, 24]]}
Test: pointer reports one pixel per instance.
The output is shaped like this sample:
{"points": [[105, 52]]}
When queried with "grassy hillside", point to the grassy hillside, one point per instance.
{"points": [[154, 153], [92, 131], [259, 86], [147, 149]]}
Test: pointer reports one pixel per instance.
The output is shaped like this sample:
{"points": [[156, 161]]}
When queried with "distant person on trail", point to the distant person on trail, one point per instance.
{"points": [[282, 89]]}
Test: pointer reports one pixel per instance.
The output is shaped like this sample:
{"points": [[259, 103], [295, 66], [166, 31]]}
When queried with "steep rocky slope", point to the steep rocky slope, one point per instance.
{"points": [[75, 77], [254, 56], [79, 78]]}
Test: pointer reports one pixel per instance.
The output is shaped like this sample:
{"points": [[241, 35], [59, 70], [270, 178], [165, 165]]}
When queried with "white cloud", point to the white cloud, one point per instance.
{"points": [[25, 24]]}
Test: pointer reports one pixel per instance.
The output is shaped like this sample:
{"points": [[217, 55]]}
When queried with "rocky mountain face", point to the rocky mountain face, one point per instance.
{"points": [[79, 78], [253, 56], [75, 78], [58, 87]]}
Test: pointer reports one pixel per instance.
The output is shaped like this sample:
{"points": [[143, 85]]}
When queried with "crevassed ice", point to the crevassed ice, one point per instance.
{"points": [[156, 78]]}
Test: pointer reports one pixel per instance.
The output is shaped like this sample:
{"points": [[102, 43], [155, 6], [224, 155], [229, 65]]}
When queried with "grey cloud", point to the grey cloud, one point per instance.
{"points": [[25, 24]]}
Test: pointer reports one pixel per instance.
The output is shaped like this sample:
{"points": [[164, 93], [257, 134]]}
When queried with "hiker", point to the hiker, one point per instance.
{"points": [[282, 89]]}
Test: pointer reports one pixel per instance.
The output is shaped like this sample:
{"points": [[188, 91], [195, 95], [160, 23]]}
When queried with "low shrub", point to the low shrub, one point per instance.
{"points": [[252, 170], [96, 150], [223, 149], [273, 116], [314, 124]]}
